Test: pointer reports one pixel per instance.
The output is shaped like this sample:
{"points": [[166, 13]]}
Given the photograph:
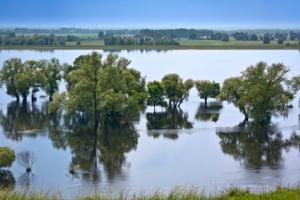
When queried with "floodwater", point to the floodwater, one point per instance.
{"points": [[191, 147]]}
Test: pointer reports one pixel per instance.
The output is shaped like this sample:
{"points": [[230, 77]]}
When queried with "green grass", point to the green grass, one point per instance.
{"points": [[182, 194]]}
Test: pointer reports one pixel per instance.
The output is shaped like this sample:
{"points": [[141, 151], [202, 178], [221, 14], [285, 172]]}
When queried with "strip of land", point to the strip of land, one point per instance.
{"points": [[176, 194]]}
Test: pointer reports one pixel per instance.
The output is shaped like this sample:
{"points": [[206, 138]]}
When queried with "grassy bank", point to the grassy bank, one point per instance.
{"points": [[232, 194]]}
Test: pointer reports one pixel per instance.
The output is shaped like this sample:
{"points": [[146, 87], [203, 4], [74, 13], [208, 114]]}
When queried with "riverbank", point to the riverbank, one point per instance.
{"points": [[204, 46], [232, 194]]}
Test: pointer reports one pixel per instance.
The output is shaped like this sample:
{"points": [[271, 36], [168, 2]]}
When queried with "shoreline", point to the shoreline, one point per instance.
{"points": [[126, 47]]}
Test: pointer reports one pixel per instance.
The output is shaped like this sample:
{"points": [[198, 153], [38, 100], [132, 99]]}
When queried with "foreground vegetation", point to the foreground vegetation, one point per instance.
{"points": [[231, 194]]}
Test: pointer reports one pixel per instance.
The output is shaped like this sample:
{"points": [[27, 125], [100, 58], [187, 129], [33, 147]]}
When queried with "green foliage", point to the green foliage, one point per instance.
{"points": [[10, 70], [7, 157], [260, 93], [51, 70], [155, 94], [207, 89], [104, 87], [22, 78], [57, 103], [175, 89]]}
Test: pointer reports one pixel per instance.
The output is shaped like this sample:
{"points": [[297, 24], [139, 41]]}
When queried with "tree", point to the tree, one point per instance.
{"points": [[261, 92], [82, 79], [10, 69], [155, 94], [100, 35], [280, 41], [175, 89], [232, 91], [104, 88], [207, 89], [267, 38], [51, 70], [7, 157]]}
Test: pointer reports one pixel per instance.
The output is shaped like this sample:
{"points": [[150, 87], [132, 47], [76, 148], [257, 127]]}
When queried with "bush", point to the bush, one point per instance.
{"points": [[7, 157]]}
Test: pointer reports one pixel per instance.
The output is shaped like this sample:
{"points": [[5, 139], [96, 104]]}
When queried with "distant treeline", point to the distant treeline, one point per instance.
{"points": [[64, 31], [137, 40], [12, 39], [218, 35]]}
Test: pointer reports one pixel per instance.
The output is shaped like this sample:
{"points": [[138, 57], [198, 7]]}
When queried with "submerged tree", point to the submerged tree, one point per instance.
{"points": [[175, 89], [260, 93], [52, 72], [10, 70], [26, 160], [104, 88], [207, 89], [155, 94]]}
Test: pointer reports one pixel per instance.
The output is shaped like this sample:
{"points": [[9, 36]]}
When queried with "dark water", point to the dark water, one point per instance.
{"points": [[192, 147]]}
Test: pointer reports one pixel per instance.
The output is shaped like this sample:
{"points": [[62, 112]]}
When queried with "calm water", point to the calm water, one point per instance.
{"points": [[191, 147]]}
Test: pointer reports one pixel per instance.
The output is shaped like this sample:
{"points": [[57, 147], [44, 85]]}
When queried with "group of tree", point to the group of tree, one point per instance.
{"points": [[107, 90], [23, 78], [295, 35], [13, 39], [244, 36], [171, 88], [177, 33], [138, 40]]}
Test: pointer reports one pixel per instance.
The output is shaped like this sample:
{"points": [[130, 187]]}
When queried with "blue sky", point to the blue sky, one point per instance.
{"points": [[151, 13]]}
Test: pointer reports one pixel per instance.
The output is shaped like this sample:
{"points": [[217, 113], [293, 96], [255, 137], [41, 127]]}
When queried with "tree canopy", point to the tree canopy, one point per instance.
{"points": [[207, 89], [176, 89], [261, 92], [104, 87]]}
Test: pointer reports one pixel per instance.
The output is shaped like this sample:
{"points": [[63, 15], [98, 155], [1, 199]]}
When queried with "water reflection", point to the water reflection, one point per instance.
{"points": [[169, 121], [210, 112], [254, 146], [22, 119]]}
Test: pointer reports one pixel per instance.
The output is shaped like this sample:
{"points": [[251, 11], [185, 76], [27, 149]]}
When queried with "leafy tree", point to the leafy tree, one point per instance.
{"points": [[267, 38], [207, 89], [7, 157], [175, 89], [82, 79], [232, 91], [106, 88], [51, 70], [155, 94], [261, 92], [10, 69]]}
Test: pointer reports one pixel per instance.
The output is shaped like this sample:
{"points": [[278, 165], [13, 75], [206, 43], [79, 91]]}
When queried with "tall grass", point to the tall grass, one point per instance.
{"points": [[182, 194]]}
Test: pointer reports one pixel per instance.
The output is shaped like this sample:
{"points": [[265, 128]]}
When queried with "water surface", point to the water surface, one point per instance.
{"points": [[189, 147]]}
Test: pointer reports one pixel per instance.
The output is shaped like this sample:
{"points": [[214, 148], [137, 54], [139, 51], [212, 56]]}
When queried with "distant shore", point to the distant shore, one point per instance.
{"points": [[152, 47]]}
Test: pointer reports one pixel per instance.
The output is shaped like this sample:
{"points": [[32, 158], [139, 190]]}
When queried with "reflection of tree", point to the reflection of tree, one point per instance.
{"points": [[90, 147], [210, 112], [254, 146], [22, 119], [169, 119], [113, 144]]}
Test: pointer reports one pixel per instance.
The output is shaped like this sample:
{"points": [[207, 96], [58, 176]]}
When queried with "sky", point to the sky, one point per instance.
{"points": [[151, 13]]}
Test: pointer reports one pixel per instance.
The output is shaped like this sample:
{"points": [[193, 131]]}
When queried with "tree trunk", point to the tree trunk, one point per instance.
{"points": [[205, 102]]}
